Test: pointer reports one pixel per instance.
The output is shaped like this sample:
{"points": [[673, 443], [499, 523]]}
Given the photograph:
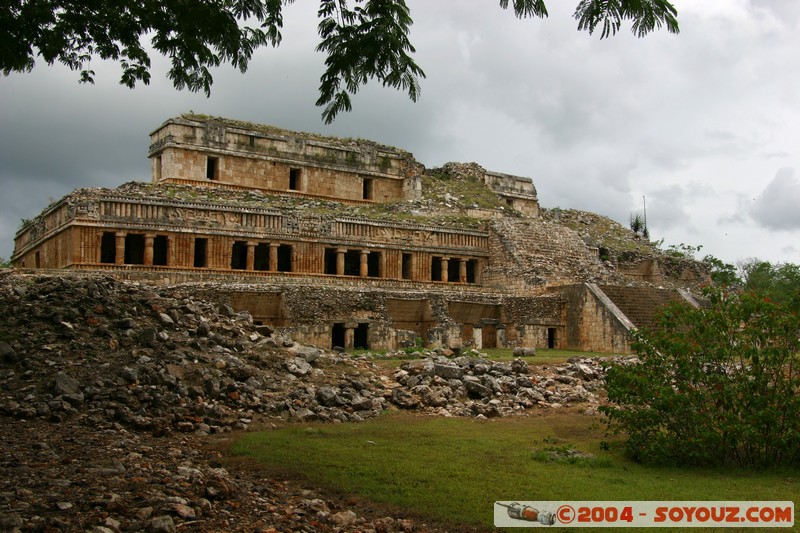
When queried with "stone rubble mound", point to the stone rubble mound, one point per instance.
{"points": [[109, 391]]}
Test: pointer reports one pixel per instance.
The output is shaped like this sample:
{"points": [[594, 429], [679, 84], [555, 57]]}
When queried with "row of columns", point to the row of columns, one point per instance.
{"points": [[462, 270], [273, 256], [149, 240]]}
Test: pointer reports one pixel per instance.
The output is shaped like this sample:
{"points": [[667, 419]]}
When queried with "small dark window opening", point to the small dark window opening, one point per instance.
{"points": [[330, 260], [337, 336], [360, 336], [407, 263], [551, 337], [261, 259], [157, 168], [471, 264], [436, 268], [239, 255], [352, 263], [37, 258], [252, 141], [134, 249], [284, 258], [160, 250], [212, 168], [374, 265], [510, 202], [200, 252], [454, 270], [294, 179], [108, 248], [366, 192]]}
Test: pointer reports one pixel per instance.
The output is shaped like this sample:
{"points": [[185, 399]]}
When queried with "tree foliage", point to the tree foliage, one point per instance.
{"points": [[779, 282], [714, 386], [365, 39]]}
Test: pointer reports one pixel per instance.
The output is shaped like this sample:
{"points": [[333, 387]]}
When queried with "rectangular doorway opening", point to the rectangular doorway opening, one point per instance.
{"points": [[551, 338], [134, 249], [160, 250], [337, 336], [239, 255], [284, 258], [374, 264], [436, 268], [360, 336], [407, 262], [261, 259], [108, 247], [200, 252]]}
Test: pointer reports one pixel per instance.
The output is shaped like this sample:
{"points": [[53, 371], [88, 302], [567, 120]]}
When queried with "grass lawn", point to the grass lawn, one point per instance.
{"points": [[452, 470]]}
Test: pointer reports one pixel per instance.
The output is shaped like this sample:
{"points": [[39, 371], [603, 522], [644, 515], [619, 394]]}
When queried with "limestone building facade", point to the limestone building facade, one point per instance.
{"points": [[345, 242]]}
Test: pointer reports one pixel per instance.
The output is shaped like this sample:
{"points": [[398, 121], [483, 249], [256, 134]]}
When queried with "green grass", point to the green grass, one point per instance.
{"points": [[452, 469]]}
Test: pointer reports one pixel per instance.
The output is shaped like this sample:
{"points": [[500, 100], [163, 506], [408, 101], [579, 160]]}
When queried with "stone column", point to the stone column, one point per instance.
{"points": [[170, 251], [478, 271], [501, 336], [148, 248], [294, 259], [119, 258], [477, 336], [340, 261], [363, 267], [251, 256], [349, 335], [273, 256], [382, 265], [444, 266], [462, 271]]}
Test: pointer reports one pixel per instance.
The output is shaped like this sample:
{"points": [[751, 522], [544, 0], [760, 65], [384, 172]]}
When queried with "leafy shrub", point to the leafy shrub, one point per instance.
{"points": [[714, 386]]}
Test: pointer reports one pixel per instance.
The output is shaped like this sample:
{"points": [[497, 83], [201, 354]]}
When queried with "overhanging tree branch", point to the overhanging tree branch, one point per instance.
{"points": [[363, 39]]}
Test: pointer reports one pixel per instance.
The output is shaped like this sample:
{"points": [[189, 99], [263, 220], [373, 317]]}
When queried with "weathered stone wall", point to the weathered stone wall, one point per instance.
{"points": [[529, 253], [592, 321], [640, 304], [205, 150]]}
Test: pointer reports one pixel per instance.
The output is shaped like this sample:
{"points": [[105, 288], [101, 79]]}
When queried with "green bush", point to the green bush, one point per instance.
{"points": [[714, 386]]}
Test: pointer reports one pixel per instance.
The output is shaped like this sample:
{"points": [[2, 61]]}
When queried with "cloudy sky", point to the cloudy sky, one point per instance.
{"points": [[704, 126]]}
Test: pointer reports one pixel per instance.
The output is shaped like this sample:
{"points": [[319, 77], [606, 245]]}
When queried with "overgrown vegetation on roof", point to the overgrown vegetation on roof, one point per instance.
{"points": [[274, 130]]}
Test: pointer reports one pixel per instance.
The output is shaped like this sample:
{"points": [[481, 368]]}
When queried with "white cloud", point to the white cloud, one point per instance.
{"points": [[777, 206]]}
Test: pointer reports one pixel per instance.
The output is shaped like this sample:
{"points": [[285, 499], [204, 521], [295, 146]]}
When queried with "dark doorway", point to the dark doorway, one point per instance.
{"points": [[212, 168], [261, 259], [134, 249], [471, 271], [294, 179], [284, 258], [160, 244], [366, 193], [108, 248], [454, 270], [436, 268], [374, 264], [551, 337], [337, 335], [407, 262], [352, 263], [239, 255], [200, 252], [330, 260], [360, 337]]}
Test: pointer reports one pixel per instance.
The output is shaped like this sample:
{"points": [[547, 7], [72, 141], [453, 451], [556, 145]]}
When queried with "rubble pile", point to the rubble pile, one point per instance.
{"points": [[109, 390]]}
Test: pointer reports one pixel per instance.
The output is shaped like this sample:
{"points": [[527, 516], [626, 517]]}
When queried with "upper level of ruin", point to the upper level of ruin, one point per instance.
{"points": [[200, 150]]}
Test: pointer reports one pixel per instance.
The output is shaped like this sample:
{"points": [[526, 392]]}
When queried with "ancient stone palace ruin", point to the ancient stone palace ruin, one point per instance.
{"points": [[348, 243]]}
